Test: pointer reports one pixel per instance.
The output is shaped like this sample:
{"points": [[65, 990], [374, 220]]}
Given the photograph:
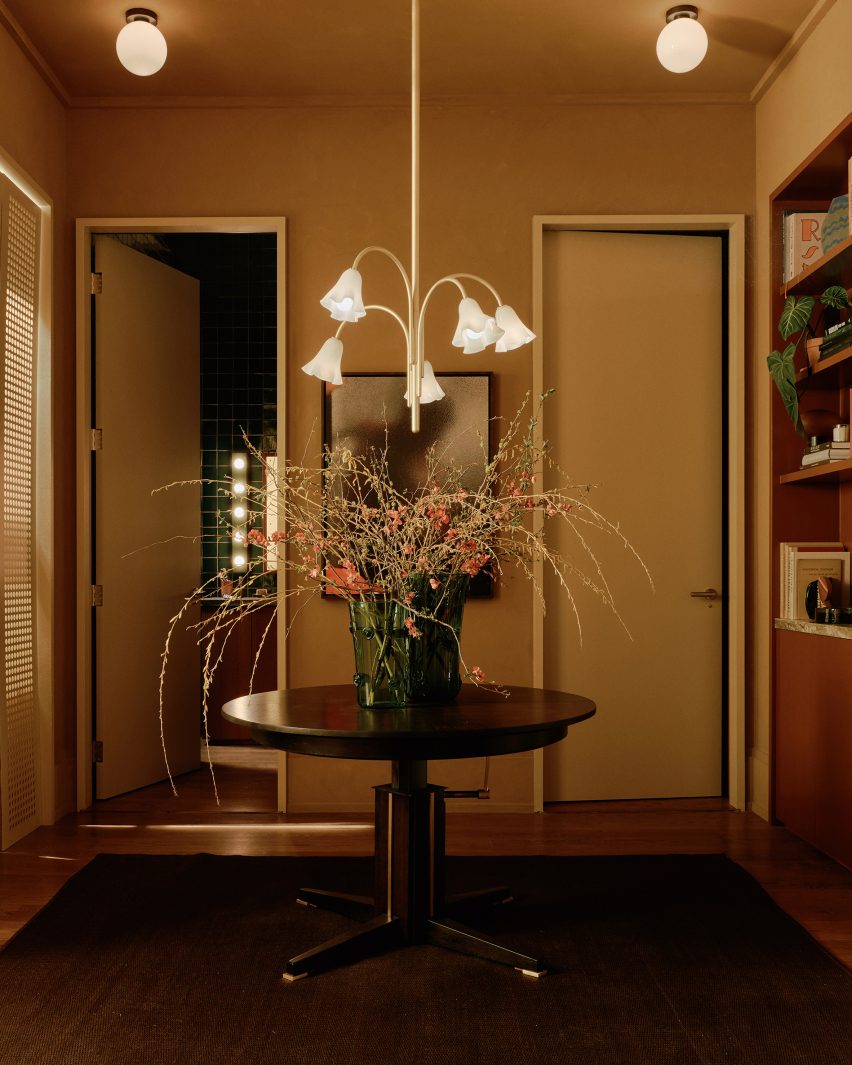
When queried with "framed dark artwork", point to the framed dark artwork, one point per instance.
{"points": [[356, 414]]}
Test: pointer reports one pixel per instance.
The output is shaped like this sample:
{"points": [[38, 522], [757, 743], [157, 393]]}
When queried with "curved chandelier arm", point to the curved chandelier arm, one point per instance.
{"points": [[392, 313], [387, 310], [393, 259], [450, 279], [482, 281]]}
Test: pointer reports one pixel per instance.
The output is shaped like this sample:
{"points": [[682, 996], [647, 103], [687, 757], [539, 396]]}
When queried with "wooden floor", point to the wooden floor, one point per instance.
{"points": [[814, 890]]}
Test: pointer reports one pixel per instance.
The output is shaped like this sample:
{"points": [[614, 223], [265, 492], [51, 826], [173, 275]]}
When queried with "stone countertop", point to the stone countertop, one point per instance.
{"points": [[842, 632]]}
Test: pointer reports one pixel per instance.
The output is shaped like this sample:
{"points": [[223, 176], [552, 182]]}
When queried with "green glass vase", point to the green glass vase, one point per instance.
{"points": [[403, 658]]}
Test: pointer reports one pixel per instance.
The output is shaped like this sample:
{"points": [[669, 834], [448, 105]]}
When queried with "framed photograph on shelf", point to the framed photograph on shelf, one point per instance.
{"points": [[358, 413]]}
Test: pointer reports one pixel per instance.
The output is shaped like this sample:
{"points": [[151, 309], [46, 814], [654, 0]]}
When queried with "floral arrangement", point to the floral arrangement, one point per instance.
{"points": [[346, 528]]}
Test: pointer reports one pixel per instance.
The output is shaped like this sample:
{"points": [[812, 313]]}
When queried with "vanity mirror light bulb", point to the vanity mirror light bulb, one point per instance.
{"points": [[239, 560], [238, 462], [239, 513], [239, 538], [239, 488]]}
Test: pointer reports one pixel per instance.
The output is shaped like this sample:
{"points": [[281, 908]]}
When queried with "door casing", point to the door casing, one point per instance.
{"points": [[734, 226], [86, 228]]}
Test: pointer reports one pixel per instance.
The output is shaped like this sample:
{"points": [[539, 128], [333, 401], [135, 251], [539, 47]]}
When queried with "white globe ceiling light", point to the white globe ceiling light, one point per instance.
{"points": [[140, 45], [476, 329], [682, 43]]}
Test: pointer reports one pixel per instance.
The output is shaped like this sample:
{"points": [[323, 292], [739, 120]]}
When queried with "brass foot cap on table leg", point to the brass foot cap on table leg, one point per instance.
{"points": [[537, 973], [292, 977]]}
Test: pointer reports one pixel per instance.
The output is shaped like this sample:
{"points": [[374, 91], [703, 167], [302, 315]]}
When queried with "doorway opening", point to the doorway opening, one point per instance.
{"points": [[236, 269]]}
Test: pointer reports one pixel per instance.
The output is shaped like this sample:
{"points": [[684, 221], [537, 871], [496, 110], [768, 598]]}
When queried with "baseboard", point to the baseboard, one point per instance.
{"points": [[483, 806]]}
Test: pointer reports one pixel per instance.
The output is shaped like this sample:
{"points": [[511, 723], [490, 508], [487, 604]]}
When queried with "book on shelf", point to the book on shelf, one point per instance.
{"points": [[836, 339], [801, 241], [802, 563], [832, 452]]}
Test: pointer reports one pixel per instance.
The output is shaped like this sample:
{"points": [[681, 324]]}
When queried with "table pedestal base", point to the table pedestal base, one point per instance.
{"points": [[409, 905]]}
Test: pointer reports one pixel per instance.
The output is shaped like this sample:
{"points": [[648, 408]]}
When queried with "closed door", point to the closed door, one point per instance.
{"points": [[634, 347], [146, 385]]}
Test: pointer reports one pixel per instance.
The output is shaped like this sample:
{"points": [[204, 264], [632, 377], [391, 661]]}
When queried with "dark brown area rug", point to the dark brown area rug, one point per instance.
{"points": [[177, 961]]}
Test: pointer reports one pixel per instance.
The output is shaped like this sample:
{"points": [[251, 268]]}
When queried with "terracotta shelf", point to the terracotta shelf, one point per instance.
{"points": [[828, 472], [831, 269], [833, 372]]}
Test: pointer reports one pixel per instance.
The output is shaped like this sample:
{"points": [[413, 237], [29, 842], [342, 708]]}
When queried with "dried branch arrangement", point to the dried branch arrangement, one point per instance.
{"points": [[346, 527]]}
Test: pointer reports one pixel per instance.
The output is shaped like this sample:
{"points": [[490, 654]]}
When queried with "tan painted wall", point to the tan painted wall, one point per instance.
{"points": [[809, 98], [33, 133], [341, 178]]}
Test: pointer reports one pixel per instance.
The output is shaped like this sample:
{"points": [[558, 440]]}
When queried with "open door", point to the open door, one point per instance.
{"points": [[146, 402]]}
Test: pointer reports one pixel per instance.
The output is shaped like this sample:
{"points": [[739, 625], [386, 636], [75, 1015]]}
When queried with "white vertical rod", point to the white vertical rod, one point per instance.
{"points": [[414, 353]]}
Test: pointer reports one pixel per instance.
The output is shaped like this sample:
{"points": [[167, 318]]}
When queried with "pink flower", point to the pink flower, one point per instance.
{"points": [[433, 583], [314, 573], [411, 625], [477, 674]]}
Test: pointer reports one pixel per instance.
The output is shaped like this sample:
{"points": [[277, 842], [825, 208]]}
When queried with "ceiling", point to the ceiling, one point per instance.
{"points": [[336, 48]]}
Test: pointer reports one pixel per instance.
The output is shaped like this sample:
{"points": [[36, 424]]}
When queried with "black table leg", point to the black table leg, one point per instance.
{"points": [[358, 906], [468, 900], [376, 936], [454, 936], [409, 904]]}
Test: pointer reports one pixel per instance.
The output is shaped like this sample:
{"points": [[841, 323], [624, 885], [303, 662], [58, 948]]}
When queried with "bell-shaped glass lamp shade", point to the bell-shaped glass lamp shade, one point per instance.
{"points": [[515, 333], [476, 330], [326, 363], [682, 43], [141, 47], [430, 390], [344, 301]]}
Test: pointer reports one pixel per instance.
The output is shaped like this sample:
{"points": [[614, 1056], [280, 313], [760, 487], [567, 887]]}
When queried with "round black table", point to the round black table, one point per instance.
{"points": [[409, 905]]}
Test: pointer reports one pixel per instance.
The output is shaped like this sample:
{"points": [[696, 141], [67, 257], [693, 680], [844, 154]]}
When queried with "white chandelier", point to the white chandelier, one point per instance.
{"points": [[476, 330]]}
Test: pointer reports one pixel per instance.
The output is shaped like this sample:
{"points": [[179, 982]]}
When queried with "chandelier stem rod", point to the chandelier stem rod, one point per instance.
{"points": [[415, 354]]}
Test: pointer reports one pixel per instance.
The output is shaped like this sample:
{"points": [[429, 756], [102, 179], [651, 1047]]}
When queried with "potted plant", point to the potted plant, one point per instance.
{"points": [[794, 325]]}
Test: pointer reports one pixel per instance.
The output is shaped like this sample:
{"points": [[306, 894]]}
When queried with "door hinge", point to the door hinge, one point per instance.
{"points": [[97, 439], [97, 595], [97, 751], [97, 284]]}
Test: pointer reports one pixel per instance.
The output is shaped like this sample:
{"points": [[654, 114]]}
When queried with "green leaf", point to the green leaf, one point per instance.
{"points": [[781, 367], [836, 297], [796, 315]]}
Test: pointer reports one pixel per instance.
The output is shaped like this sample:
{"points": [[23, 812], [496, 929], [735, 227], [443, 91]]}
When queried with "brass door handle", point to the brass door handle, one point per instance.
{"points": [[708, 593]]}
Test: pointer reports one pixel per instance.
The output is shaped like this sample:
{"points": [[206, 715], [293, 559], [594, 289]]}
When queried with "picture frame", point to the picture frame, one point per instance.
{"points": [[367, 405]]}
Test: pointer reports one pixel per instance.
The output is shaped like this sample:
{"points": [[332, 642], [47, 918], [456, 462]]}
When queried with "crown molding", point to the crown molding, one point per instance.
{"points": [[401, 101], [806, 28], [20, 37]]}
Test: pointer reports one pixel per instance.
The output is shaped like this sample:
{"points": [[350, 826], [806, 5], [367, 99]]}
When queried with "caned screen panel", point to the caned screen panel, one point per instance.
{"points": [[19, 726]]}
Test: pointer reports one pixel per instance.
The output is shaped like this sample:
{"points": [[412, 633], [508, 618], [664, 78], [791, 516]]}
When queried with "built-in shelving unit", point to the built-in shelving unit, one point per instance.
{"points": [[812, 725]]}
